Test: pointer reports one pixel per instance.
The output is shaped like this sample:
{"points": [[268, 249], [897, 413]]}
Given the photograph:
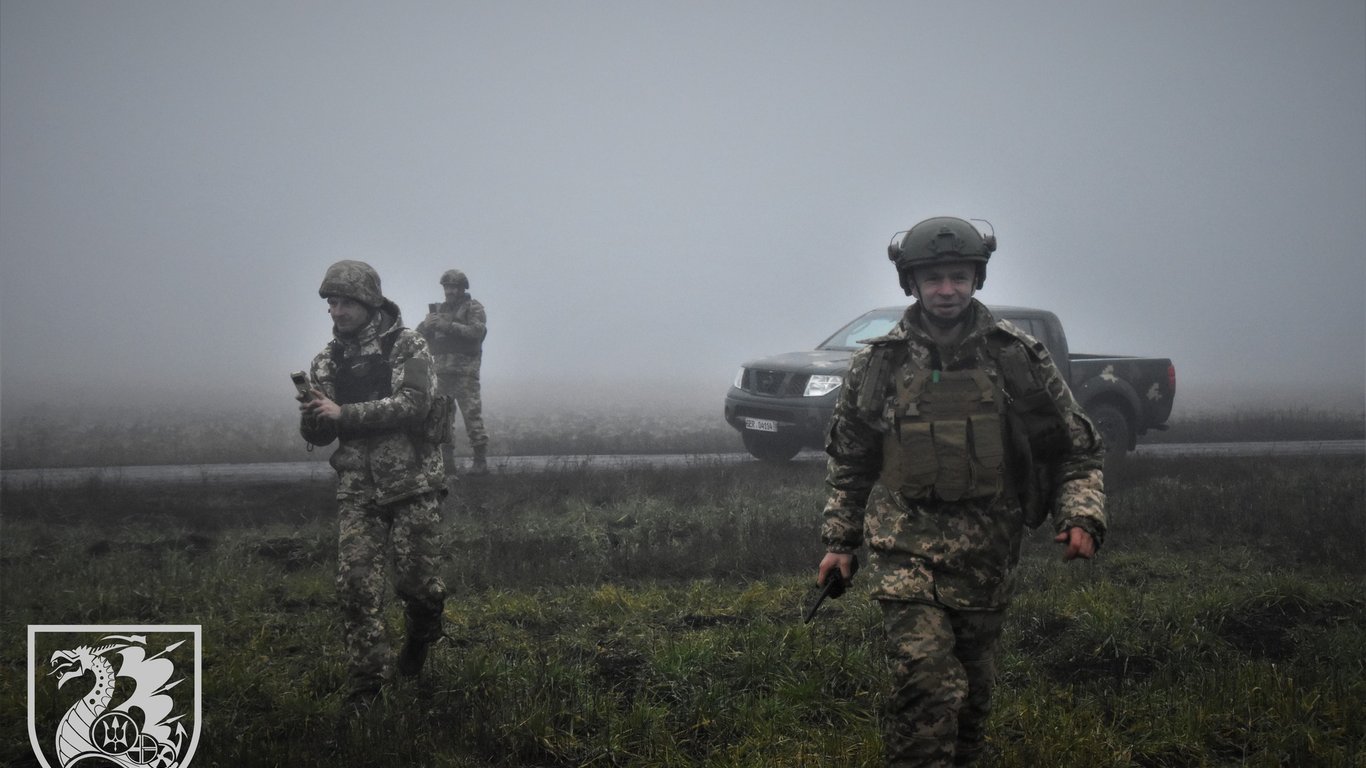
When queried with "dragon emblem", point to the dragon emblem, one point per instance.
{"points": [[140, 731]]}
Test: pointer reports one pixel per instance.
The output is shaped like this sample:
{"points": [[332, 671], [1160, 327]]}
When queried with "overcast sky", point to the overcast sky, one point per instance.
{"points": [[653, 191]]}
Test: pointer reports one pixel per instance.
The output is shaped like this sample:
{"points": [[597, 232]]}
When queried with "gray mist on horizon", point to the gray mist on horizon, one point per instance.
{"points": [[646, 195]]}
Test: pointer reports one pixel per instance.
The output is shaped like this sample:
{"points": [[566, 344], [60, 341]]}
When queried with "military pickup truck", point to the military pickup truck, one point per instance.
{"points": [[783, 404]]}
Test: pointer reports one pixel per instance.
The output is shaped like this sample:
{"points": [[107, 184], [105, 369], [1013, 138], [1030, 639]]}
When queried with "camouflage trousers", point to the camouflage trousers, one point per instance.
{"points": [[462, 383], [943, 669], [368, 534]]}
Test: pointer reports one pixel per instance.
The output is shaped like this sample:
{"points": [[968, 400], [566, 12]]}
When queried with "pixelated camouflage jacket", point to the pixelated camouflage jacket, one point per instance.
{"points": [[960, 554], [380, 456], [456, 334]]}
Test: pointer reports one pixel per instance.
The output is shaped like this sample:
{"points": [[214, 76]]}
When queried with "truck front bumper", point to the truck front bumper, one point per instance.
{"points": [[806, 419]]}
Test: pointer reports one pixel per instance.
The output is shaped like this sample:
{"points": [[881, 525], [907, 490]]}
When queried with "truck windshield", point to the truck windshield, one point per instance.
{"points": [[865, 326]]}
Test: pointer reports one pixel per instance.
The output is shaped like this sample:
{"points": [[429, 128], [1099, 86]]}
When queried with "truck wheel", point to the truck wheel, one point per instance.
{"points": [[771, 448], [1114, 428]]}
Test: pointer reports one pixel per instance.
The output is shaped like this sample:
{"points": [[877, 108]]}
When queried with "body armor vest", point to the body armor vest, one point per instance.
{"points": [[370, 377], [361, 379], [947, 439]]}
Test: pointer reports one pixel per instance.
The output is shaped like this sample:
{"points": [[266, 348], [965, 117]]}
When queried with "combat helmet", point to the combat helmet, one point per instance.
{"points": [[354, 280], [455, 277], [936, 240]]}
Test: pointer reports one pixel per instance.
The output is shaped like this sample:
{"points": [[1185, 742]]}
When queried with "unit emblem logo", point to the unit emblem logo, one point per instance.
{"points": [[127, 695]]}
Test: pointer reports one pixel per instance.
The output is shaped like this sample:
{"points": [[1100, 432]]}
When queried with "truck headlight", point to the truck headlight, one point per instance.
{"points": [[739, 382], [822, 385]]}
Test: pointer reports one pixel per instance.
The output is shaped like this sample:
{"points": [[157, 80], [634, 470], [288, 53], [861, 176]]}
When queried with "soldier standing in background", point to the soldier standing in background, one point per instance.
{"points": [[455, 331], [372, 388], [969, 432]]}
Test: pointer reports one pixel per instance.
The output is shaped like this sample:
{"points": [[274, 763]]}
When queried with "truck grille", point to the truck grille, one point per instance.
{"points": [[774, 383]]}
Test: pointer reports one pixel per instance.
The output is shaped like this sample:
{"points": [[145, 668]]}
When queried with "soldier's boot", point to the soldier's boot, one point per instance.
{"points": [[423, 630], [480, 465]]}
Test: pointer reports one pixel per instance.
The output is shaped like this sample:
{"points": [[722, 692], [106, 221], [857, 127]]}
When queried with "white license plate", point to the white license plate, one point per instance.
{"points": [[761, 425]]}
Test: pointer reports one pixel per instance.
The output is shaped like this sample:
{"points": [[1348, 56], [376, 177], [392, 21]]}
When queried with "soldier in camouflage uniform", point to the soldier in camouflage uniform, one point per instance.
{"points": [[962, 431], [372, 387], [455, 331]]}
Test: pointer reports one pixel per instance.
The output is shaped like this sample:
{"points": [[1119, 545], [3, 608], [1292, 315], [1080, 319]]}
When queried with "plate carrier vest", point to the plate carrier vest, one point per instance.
{"points": [[949, 430], [370, 377], [947, 439]]}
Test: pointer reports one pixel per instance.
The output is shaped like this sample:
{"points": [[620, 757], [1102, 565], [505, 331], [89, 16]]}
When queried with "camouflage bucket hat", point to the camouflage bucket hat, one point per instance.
{"points": [[354, 280], [455, 277]]}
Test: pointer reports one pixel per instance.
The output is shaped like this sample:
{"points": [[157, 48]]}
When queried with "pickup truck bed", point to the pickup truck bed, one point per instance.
{"points": [[1126, 396]]}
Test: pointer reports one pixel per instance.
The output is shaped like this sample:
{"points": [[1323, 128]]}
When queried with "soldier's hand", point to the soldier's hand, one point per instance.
{"points": [[834, 561], [1079, 544], [321, 407]]}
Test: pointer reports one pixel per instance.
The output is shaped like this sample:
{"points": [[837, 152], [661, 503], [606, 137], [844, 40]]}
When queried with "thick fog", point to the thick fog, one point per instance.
{"points": [[645, 195]]}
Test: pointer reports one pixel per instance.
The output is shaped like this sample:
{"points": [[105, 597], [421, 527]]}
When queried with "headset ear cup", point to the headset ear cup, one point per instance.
{"points": [[896, 248]]}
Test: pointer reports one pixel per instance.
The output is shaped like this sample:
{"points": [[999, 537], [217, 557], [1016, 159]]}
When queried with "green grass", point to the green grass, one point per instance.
{"points": [[653, 618], [1249, 425], [70, 438], [115, 437]]}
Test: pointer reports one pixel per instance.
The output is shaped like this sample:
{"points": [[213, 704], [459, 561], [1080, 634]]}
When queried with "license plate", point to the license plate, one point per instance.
{"points": [[761, 425]]}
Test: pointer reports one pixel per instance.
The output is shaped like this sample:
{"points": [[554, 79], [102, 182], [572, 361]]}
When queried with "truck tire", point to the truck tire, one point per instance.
{"points": [[770, 448], [1114, 428]]}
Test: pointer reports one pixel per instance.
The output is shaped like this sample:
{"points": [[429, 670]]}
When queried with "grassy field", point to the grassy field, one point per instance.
{"points": [[653, 618], [1236, 426], [51, 438]]}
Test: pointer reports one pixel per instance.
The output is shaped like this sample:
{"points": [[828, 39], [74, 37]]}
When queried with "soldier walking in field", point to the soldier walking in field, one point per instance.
{"points": [[962, 431], [455, 331], [372, 390]]}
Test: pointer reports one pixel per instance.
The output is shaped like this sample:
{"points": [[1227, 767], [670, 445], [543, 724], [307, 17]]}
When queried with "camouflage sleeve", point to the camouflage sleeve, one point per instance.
{"points": [[477, 324], [855, 449], [414, 381], [438, 325], [315, 430], [472, 323], [433, 323], [1080, 497]]}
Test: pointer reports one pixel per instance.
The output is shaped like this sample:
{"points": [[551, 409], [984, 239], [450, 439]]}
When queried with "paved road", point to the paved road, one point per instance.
{"points": [[319, 470], [1287, 448]]}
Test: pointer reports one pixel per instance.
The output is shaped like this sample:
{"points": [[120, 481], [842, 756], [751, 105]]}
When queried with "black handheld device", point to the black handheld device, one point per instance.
{"points": [[833, 587]]}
